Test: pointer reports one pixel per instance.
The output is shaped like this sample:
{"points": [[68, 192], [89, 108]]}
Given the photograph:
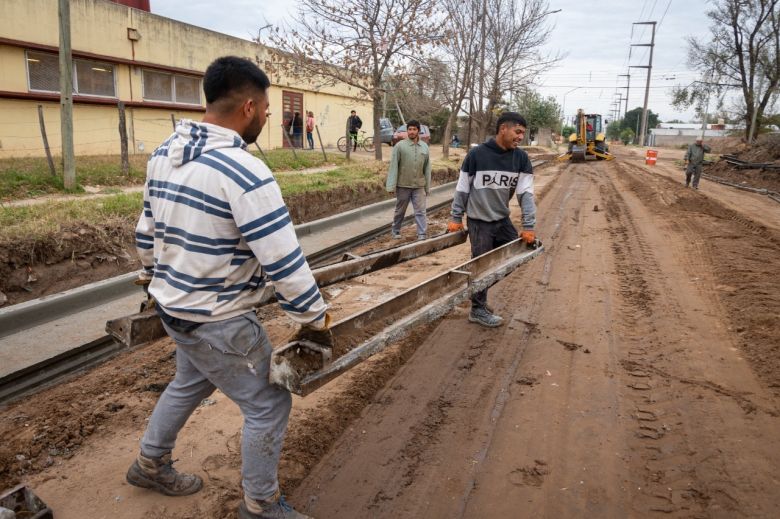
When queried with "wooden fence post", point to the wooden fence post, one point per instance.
{"points": [[123, 139], [289, 142], [261, 153], [319, 138], [46, 142]]}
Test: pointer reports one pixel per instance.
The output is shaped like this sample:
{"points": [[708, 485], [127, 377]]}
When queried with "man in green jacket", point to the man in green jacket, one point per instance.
{"points": [[409, 178], [693, 160]]}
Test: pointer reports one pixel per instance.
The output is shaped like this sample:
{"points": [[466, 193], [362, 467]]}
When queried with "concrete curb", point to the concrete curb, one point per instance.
{"points": [[315, 226], [47, 308], [38, 311]]}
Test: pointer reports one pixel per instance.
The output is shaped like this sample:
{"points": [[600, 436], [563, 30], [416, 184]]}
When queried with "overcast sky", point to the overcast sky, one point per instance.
{"points": [[594, 40]]}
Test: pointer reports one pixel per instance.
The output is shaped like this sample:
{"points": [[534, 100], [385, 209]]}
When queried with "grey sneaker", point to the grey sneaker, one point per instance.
{"points": [[158, 474], [485, 318], [274, 508], [421, 237], [396, 235]]}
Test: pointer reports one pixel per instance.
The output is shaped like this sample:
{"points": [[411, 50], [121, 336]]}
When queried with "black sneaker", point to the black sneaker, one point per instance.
{"points": [[158, 474]]}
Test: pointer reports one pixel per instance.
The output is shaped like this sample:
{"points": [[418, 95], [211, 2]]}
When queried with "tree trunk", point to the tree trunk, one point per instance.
{"points": [[377, 101], [445, 145]]}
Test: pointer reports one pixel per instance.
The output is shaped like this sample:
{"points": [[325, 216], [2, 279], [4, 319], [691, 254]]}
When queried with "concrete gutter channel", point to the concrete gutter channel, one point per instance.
{"points": [[46, 328], [59, 326]]}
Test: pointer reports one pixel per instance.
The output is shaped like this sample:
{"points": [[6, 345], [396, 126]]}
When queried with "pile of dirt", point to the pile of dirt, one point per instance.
{"points": [[77, 255], [766, 150]]}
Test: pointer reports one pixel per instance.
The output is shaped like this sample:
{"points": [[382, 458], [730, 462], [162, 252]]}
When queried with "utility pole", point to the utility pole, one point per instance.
{"points": [[649, 68], [66, 97], [628, 85]]}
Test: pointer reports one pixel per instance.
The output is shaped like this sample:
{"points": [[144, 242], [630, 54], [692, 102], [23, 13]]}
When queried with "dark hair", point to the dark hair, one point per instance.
{"points": [[510, 117], [353, 112], [414, 123], [230, 74]]}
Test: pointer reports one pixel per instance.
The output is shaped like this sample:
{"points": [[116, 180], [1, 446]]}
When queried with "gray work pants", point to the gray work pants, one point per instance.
{"points": [[693, 170], [484, 237], [402, 197], [233, 355]]}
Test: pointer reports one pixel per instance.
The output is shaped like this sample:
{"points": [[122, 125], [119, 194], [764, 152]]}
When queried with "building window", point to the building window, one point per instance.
{"points": [[172, 88], [43, 71], [94, 78]]}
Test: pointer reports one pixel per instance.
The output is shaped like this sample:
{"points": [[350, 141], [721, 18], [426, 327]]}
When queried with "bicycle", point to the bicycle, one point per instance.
{"points": [[367, 143]]}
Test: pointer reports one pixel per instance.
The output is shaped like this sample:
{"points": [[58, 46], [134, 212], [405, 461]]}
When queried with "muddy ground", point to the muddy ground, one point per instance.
{"points": [[637, 375], [77, 255]]}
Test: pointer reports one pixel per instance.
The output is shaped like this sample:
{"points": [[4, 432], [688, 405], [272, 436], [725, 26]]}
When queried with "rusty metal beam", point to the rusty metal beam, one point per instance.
{"points": [[301, 368], [136, 329]]}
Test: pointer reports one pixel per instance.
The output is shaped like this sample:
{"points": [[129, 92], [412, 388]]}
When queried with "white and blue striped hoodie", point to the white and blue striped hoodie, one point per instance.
{"points": [[214, 229]]}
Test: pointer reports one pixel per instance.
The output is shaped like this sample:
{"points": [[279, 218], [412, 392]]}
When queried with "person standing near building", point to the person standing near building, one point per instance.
{"points": [[694, 158], [490, 174], [310, 129], [354, 124], [213, 228], [409, 177], [297, 128]]}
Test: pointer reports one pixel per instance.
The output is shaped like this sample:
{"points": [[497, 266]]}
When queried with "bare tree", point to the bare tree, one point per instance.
{"points": [[356, 42], [742, 54], [460, 54], [515, 32]]}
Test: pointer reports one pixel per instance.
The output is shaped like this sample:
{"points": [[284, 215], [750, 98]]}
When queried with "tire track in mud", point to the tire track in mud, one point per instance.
{"points": [[662, 469], [744, 260], [676, 475]]}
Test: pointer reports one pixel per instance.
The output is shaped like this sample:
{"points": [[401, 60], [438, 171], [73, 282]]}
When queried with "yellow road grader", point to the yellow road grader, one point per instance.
{"points": [[588, 142]]}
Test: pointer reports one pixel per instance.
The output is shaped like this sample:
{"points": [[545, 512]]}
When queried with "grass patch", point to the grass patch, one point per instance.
{"points": [[284, 160], [29, 177], [39, 220]]}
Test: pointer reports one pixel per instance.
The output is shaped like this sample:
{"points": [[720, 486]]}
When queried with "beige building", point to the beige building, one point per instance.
{"points": [[153, 64]]}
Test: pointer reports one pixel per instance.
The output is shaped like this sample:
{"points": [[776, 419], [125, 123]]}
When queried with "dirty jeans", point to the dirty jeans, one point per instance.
{"points": [[695, 171], [402, 197], [484, 237], [232, 355]]}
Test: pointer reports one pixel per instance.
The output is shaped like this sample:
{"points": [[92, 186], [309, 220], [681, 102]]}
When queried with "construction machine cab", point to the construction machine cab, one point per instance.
{"points": [[589, 141]]}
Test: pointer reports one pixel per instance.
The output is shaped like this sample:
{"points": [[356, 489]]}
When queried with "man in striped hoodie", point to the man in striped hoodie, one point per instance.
{"points": [[214, 230], [490, 174]]}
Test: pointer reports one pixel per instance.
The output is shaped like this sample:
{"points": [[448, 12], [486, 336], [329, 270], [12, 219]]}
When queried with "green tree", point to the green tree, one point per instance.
{"points": [[741, 55], [539, 112], [633, 120], [567, 130], [627, 135], [613, 130]]}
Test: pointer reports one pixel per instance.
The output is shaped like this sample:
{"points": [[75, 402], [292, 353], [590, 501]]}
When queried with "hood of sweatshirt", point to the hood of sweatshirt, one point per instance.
{"points": [[493, 145], [193, 139]]}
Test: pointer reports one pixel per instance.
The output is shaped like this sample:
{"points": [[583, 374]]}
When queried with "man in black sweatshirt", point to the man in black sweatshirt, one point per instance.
{"points": [[490, 174]]}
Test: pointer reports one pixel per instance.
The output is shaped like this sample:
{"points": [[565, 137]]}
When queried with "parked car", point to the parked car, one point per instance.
{"points": [[400, 134], [386, 131]]}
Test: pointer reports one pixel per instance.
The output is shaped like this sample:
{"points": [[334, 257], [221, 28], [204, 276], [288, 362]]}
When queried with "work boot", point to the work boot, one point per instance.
{"points": [[158, 474], [485, 318], [274, 508]]}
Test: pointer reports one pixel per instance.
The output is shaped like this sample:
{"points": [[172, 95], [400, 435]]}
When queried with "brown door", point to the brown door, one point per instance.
{"points": [[292, 102]]}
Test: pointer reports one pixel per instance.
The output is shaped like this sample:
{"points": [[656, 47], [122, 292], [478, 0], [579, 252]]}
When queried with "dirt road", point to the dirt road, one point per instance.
{"points": [[637, 375]]}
